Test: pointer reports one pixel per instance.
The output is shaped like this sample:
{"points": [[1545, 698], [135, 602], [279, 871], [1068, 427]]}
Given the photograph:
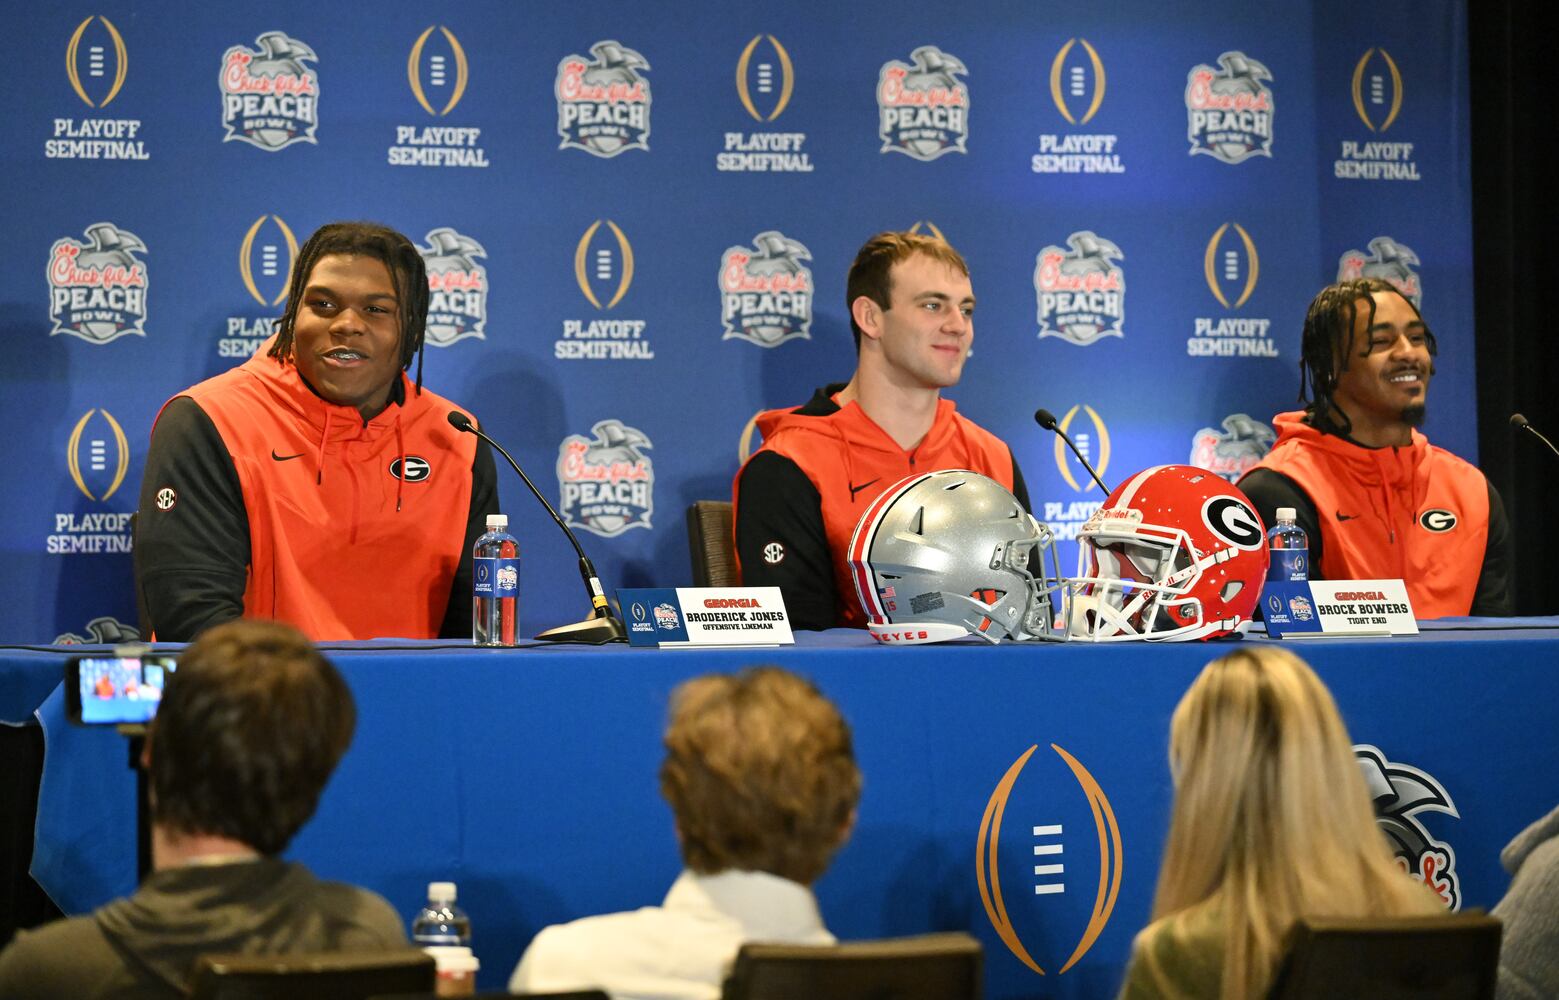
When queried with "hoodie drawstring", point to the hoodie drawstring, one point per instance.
{"points": [[319, 458], [400, 480]]}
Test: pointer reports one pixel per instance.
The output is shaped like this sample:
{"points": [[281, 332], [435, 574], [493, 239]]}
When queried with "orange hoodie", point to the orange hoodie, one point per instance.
{"points": [[1417, 513], [851, 461], [339, 544]]}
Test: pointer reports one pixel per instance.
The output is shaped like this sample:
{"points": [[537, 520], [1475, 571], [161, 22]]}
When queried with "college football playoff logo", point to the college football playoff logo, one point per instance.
{"points": [[266, 249], [1370, 90], [1094, 444], [1227, 270], [759, 78], [97, 470], [604, 268], [1044, 920], [96, 63], [439, 71], [1069, 82]]}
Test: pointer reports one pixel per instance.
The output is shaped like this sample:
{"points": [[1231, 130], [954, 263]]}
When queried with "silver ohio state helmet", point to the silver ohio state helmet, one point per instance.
{"points": [[948, 554]]}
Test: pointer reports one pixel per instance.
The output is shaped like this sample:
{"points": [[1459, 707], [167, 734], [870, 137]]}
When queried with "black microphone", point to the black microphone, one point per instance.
{"points": [[1520, 423], [1047, 420], [603, 626]]}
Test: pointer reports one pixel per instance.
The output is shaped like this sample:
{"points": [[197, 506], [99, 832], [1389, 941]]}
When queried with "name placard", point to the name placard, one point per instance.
{"points": [[705, 616], [1300, 610]]}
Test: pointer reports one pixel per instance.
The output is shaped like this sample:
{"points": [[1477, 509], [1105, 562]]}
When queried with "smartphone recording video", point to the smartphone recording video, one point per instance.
{"points": [[115, 690]]}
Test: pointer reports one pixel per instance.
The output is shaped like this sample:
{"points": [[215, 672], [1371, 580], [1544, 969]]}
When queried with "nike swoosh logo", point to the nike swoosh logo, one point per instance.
{"points": [[1345, 517], [285, 458], [856, 489]]}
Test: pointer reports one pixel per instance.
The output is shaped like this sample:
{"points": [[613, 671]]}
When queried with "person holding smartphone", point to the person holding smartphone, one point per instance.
{"points": [[249, 729]]}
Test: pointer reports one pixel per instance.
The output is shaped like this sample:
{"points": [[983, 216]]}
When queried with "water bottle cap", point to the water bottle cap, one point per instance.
{"points": [[1287, 514], [495, 521], [442, 892]]}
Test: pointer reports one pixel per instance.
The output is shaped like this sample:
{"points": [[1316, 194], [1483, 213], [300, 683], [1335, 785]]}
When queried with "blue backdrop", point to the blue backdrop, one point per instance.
{"points": [[639, 227]]}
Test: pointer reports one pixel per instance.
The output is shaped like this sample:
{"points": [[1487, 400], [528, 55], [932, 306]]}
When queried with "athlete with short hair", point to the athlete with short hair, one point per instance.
{"points": [[798, 499]]}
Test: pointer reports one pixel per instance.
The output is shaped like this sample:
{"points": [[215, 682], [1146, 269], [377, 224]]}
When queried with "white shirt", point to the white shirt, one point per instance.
{"points": [[680, 950]]}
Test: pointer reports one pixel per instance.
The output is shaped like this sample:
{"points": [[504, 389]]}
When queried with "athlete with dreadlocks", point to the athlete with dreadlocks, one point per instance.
{"points": [[1376, 498], [316, 484]]}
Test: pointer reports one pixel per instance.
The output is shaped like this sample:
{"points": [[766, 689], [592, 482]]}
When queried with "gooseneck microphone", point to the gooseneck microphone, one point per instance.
{"points": [[1048, 421], [602, 626], [1520, 423]]}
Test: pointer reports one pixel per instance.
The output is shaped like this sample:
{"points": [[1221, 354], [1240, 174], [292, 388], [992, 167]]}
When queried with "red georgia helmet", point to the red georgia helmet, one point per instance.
{"points": [[1175, 553]]}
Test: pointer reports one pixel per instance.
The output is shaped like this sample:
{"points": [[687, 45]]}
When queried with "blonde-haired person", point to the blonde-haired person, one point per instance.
{"points": [[1271, 822], [760, 774]]}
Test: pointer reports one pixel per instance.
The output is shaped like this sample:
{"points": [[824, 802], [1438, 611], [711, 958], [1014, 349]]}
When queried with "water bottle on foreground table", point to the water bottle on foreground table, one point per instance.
{"points": [[1290, 548], [495, 582]]}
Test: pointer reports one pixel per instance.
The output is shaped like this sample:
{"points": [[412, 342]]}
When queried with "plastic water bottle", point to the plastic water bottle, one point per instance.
{"points": [[1290, 548], [441, 922], [495, 582]]}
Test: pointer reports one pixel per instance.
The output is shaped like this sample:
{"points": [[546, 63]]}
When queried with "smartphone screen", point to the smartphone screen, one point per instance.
{"points": [[110, 690]]}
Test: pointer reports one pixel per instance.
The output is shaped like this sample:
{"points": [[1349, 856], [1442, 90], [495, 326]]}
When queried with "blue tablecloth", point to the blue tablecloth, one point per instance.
{"points": [[529, 777]]}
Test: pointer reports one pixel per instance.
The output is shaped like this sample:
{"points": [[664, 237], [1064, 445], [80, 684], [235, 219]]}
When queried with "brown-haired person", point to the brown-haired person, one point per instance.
{"points": [[761, 777], [1271, 822], [248, 731], [1376, 499], [316, 483], [798, 498]]}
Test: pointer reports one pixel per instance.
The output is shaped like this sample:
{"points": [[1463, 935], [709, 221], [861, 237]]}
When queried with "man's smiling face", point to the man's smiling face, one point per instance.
{"points": [[347, 336]]}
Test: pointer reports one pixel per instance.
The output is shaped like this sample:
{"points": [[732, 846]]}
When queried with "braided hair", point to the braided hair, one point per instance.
{"points": [[1327, 345], [408, 278]]}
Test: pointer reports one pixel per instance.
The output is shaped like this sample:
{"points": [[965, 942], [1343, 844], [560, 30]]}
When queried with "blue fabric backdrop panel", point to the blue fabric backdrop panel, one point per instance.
{"points": [[584, 303]]}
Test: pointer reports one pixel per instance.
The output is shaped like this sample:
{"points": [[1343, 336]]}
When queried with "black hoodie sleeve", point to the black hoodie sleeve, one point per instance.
{"points": [[1019, 487], [1493, 598], [192, 532], [781, 541], [484, 501], [1269, 490]]}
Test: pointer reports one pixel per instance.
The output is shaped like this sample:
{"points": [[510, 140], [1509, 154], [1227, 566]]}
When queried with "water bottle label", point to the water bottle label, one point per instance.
{"points": [[1290, 564], [506, 578], [492, 577]]}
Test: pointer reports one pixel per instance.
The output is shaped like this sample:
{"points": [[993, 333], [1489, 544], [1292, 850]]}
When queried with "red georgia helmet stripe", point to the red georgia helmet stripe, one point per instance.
{"points": [[861, 544]]}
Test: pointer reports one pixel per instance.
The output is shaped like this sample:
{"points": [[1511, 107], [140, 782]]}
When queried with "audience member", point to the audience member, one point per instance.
{"points": [[250, 727], [1529, 950], [1271, 822], [761, 778]]}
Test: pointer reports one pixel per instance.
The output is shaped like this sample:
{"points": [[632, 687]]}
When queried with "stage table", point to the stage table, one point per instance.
{"points": [[529, 777]]}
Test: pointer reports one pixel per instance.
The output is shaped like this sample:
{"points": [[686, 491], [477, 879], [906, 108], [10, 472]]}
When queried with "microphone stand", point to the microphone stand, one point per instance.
{"points": [[1047, 420], [603, 626]]}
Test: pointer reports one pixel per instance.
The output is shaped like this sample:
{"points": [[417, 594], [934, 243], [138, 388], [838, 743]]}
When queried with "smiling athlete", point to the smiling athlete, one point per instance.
{"points": [[798, 499], [1376, 498], [316, 484]]}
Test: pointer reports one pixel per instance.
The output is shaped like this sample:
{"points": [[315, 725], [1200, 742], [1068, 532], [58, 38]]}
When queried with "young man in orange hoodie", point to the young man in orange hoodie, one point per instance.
{"points": [[1376, 499], [315, 483], [822, 464]]}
